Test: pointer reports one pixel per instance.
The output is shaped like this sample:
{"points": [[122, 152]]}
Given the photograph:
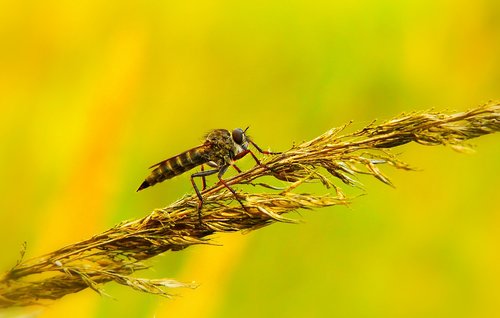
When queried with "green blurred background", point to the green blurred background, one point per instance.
{"points": [[93, 92]]}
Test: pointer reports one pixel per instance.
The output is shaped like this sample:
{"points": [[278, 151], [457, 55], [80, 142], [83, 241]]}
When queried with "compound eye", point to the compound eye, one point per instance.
{"points": [[238, 136]]}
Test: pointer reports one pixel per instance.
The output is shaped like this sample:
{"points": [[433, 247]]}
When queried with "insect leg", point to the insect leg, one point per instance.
{"points": [[222, 170], [202, 174], [237, 168], [203, 180], [247, 151], [263, 151], [244, 153], [210, 164], [241, 154]]}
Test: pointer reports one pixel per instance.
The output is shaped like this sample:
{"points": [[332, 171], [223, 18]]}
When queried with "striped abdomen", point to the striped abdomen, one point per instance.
{"points": [[175, 166]]}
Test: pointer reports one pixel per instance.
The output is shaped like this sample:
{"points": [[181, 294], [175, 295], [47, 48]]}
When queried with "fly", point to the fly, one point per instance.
{"points": [[219, 151]]}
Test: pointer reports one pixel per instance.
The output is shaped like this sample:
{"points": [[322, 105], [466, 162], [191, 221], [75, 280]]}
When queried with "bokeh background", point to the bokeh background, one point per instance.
{"points": [[93, 92]]}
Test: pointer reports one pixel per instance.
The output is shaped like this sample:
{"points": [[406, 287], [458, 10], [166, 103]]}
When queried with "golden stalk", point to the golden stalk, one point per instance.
{"points": [[118, 252]]}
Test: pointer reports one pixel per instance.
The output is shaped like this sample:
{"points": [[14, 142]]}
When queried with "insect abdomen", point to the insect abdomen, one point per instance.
{"points": [[174, 166]]}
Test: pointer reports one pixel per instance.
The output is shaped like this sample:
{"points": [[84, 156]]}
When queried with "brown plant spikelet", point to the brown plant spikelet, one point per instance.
{"points": [[118, 252]]}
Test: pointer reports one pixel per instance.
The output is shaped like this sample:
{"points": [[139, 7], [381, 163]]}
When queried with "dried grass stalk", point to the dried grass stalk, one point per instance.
{"points": [[117, 253]]}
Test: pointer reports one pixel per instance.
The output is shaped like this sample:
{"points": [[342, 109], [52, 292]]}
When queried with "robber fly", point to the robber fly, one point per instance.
{"points": [[219, 151]]}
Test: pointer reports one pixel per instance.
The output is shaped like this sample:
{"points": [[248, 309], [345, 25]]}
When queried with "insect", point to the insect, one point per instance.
{"points": [[219, 151]]}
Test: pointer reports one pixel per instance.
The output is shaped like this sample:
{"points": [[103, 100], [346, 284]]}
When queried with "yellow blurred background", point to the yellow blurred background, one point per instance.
{"points": [[93, 92]]}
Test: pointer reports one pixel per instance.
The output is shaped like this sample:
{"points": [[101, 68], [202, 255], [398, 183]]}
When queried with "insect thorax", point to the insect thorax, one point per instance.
{"points": [[222, 148]]}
